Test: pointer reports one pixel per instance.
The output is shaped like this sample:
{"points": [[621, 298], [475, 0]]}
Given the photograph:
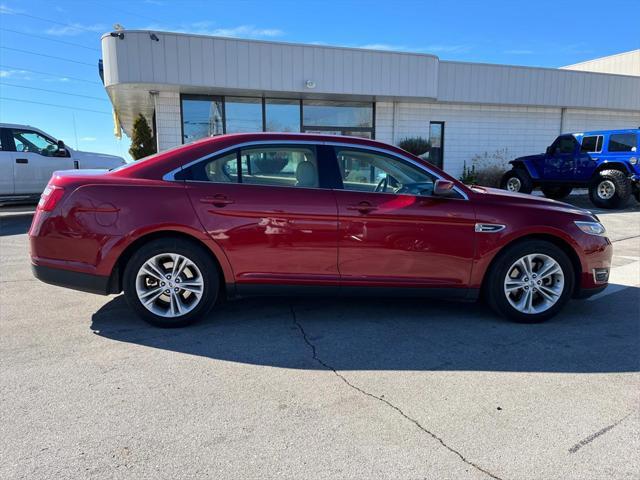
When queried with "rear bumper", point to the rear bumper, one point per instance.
{"points": [[84, 282]]}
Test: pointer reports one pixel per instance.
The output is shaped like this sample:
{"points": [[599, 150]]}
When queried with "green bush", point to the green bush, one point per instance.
{"points": [[415, 145], [142, 142]]}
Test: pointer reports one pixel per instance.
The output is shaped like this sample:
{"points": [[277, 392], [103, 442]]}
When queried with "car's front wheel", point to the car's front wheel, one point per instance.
{"points": [[517, 180], [530, 281], [610, 189], [171, 282]]}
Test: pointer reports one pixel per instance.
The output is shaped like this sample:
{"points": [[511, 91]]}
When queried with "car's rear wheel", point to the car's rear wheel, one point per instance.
{"points": [[530, 281], [517, 180], [610, 189], [171, 282], [557, 192]]}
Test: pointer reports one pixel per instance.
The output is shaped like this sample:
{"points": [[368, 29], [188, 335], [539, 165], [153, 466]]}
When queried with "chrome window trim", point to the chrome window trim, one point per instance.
{"points": [[170, 176]]}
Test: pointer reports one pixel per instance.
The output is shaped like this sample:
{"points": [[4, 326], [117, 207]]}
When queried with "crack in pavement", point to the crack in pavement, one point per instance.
{"points": [[593, 436], [381, 399]]}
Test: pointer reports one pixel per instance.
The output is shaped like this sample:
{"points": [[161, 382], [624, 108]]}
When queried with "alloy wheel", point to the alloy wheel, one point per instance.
{"points": [[606, 189], [169, 285], [534, 283], [514, 184]]}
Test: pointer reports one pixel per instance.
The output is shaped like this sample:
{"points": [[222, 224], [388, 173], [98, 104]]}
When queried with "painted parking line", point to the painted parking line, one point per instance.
{"points": [[620, 278]]}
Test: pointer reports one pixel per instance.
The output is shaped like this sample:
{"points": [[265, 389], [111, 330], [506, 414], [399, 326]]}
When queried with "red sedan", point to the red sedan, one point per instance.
{"points": [[275, 213]]}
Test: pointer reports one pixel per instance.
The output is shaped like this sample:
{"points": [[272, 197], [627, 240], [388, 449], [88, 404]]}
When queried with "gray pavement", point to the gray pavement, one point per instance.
{"points": [[317, 388]]}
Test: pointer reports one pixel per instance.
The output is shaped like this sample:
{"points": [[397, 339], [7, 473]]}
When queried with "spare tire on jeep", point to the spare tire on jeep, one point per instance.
{"points": [[517, 180], [610, 189]]}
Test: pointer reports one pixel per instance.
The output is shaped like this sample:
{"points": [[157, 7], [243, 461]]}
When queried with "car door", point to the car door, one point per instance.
{"points": [[6, 164], [266, 208], [392, 231], [560, 158], [587, 158], [35, 158]]}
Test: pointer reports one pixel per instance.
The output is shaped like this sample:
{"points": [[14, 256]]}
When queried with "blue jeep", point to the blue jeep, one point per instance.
{"points": [[604, 161]]}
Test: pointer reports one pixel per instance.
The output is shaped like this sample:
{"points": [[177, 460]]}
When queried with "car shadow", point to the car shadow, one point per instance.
{"points": [[396, 334], [15, 224]]}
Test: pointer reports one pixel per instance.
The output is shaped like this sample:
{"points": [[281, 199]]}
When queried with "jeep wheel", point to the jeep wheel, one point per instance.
{"points": [[610, 189], [517, 180], [556, 193]]}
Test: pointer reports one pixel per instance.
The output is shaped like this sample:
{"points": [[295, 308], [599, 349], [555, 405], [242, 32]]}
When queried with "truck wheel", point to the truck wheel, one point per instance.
{"points": [[610, 189], [517, 180], [556, 192]]}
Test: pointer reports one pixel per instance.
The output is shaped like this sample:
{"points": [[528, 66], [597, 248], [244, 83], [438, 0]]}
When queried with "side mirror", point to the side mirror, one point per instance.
{"points": [[62, 150], [443, 188]]}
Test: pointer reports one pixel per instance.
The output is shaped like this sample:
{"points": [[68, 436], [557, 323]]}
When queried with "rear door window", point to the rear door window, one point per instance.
{"points": [[288, 166], [623, 142], [591, 144]]}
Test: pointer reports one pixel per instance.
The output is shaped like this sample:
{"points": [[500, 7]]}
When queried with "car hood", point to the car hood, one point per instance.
{"points": [[529, 158], [525, 200], [111, 160]]}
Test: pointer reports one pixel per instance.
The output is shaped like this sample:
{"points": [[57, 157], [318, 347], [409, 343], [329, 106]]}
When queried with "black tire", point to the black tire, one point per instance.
{"points": [[192, 251], [620, 183], [637, 195], [557, 192], [522, 176], [494, 290]]}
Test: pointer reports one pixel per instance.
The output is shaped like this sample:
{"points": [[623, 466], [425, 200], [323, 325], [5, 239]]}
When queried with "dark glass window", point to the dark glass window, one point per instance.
{"points": [[565, 145], [243, 114], [282, 115], [201, 117], [623, 142], [591, 144], [337, 114]]}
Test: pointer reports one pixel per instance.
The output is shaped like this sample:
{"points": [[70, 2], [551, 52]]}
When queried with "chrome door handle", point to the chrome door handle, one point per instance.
{"points": [[216, 200], [363, 207]]}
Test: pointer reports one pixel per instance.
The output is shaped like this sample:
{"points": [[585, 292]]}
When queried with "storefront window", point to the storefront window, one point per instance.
{"points": [[337, 114], [282, 115], [243, 114], [201, 117]]}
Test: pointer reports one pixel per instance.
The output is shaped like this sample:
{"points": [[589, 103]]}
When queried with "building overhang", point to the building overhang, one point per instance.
{"points": [[139, 62]]}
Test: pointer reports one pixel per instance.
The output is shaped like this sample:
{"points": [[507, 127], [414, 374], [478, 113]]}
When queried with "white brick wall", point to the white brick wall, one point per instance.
{"points": [[168, 128], [585, 120], [471, 129], [475, 129]]}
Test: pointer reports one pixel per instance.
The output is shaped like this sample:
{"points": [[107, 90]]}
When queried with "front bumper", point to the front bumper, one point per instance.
{"points": [[84, 282]]}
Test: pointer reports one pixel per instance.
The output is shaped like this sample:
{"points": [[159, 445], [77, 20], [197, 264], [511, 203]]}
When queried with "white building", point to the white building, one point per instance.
{"points": [[192, 86]]}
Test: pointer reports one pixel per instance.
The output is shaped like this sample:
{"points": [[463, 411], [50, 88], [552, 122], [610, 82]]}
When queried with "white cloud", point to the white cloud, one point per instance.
{"points": [[207, 28], [5, 10], [75, 29], [519, 52], [88, 139], [15, 74], [382, 46]]}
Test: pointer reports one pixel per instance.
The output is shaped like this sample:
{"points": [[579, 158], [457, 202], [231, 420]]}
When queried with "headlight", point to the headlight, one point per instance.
{"points": [[592, 228], [633, 160]]}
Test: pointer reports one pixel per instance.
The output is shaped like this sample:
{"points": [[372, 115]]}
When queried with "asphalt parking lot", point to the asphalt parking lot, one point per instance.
{"points": [[317, 388]]}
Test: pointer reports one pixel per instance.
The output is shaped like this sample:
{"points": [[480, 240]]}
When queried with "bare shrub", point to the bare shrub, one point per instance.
{"points": [[486, 168]]}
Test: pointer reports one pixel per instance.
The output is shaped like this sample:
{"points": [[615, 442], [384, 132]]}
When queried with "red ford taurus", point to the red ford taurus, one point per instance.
{"points": [[271, 213]]}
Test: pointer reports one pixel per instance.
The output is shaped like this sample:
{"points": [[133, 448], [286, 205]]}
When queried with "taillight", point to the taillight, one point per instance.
{"points": [[50, 198]]}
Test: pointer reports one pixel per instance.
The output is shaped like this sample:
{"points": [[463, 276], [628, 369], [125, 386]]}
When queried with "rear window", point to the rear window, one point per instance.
{"points": [[591, 144], [623, 142]]}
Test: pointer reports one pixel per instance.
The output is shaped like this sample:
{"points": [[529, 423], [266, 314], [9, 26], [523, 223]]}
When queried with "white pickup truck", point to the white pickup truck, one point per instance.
{"points": [[28, 157]]}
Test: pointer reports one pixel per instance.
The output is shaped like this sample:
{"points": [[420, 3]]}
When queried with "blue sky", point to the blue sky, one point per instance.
{"points": [[539, 33]]}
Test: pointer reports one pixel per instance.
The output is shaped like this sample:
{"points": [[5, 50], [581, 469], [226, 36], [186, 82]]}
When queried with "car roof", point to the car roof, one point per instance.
{"points": [[605, 132]]}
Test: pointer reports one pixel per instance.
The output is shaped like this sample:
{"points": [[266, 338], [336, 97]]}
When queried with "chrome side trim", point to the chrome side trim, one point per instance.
{"points": [[489, 227], [170, 176]]}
